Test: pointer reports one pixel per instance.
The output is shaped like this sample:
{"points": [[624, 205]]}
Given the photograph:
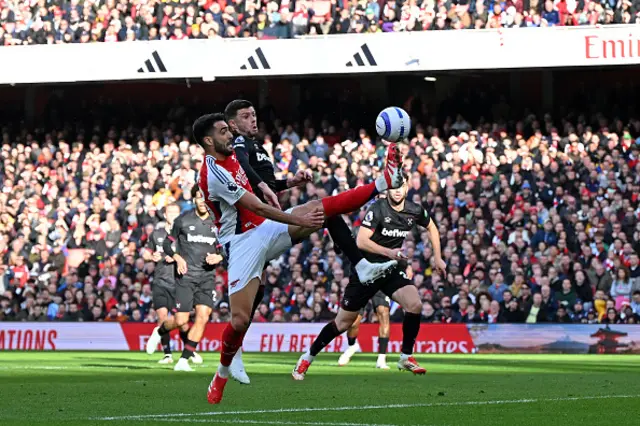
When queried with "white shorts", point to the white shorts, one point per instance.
{"points": [[248, 253]]}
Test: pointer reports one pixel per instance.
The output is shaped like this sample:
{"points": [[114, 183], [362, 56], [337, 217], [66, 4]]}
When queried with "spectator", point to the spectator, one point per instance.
{"points": [[621, 287], [583, 289], [567, 297], [635, 303], [611, 317], [497, 289], [537, 310], [513, 313], [599, 277]]}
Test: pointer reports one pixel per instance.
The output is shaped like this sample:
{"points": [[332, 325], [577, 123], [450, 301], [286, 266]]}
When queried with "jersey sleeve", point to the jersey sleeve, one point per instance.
{"points": [[425, 218], [372, 217], [175, 229], [221, 185], [244, 151]]}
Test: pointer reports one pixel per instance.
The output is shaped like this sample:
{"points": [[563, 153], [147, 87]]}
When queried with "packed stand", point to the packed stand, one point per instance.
{"points": [[39, 22], [538, 223]]}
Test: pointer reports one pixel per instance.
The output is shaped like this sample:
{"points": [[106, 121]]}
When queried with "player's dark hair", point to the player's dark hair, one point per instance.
{"points": [[194, 191], [203, 126], [231, 111]]}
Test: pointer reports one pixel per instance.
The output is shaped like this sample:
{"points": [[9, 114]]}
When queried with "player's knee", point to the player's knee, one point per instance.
{"points": [[343, 324], [414, 306], [181, 321], [240, 321], [202, 317]]}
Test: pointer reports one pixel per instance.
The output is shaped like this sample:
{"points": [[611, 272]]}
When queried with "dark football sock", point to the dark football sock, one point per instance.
{"points": [[189, 349], [410, 329], [327, 334], [342, 237], [166, 344], [383, 343], [163, 330], [352, 340], [184, 336]]}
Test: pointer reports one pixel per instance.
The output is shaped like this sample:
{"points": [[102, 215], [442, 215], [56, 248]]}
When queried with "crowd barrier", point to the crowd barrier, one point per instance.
{"points": [[286, 337]]}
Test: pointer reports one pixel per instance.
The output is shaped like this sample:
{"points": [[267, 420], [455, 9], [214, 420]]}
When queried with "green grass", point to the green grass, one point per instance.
{"points": [[77, 388]]}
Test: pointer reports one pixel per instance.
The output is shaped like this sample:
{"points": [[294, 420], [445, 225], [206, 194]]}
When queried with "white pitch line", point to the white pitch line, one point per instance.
{"points": [[366, 407], [263, 422], [34, 367]]}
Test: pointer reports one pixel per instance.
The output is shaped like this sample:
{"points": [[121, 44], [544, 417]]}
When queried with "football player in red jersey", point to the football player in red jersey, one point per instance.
{"points": [[253, 232]]}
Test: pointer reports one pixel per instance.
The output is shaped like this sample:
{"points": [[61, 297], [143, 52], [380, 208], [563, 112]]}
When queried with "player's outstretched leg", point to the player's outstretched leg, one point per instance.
{"points": [[353, 199], [382, 312], [354, 346], [343, 238], [343, 321], [409, 299], [347, 202], [241, 303]]}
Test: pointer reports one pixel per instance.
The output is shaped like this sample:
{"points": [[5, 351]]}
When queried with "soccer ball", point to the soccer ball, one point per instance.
{"points": [[393, 124]]}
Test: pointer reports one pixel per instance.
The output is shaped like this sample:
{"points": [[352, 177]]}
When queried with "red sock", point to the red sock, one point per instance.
{"points": [[349, 201], [231, 342]]}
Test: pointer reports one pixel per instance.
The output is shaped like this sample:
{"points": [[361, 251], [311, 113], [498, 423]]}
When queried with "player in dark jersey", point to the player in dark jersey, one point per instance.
{"points": [[381, 236], [254, 159], [256, 162], [164, 281], [195, 254]]}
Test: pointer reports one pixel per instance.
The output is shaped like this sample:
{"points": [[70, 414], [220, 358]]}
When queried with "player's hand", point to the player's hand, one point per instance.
{"points": [[441, 266], [168, 259], [269, 196], [396, 254], [213, 258], [313, 219], [157, 256], [182, 264], [301, 178]]}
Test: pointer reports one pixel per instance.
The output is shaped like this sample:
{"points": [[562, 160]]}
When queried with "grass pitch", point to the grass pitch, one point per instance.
{"points": [[117, 389]]}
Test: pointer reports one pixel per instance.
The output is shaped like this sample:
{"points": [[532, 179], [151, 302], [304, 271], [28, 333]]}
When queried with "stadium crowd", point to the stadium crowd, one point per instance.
{"points": [[40, 22], [538, 223]]}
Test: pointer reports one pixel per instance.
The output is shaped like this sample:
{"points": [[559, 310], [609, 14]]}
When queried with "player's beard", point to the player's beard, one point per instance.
{"points": [[249, 132], [225, 148], [393, 202]]}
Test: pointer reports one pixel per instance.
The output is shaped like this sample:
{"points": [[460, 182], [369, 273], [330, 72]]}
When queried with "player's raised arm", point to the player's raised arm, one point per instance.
{"points": [[365, 243], [313, 219], [254, 179]]}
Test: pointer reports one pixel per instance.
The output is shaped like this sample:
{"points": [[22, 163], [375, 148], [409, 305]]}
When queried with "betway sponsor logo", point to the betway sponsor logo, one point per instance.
{"points": [[26, 340], [597, 47], [394, 233], [200, 239]]}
